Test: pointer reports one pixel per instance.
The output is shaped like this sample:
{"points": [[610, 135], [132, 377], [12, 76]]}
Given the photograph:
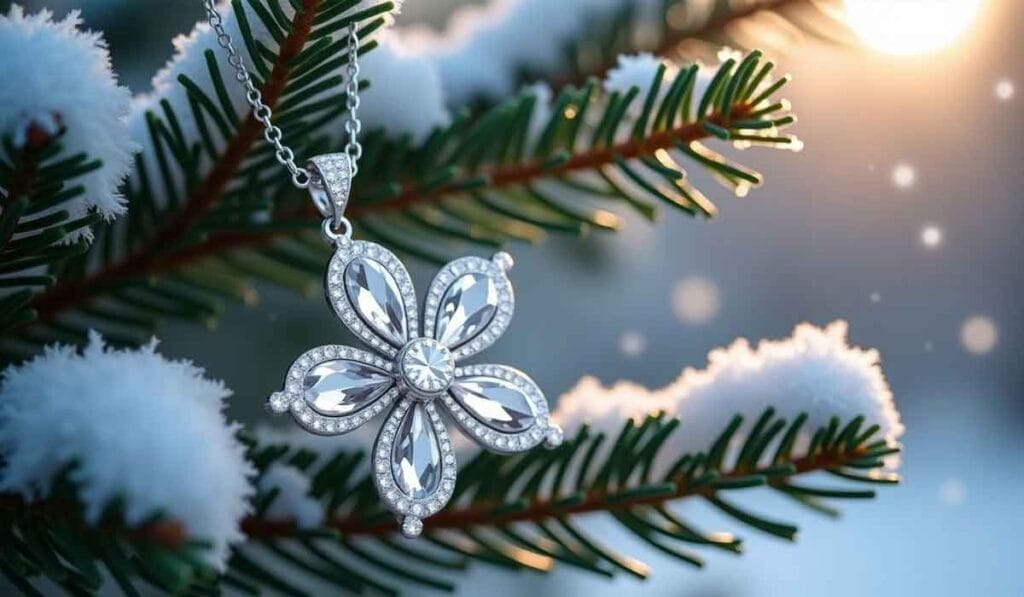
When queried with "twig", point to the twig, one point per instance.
{"points": [[70, 294]]}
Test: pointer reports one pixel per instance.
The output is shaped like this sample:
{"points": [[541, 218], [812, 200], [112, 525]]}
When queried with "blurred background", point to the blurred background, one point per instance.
{"points": [[902, 215]]}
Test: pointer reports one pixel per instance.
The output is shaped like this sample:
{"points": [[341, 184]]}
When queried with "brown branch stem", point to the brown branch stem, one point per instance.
{"points": [[673, 36], [147, 258], [162, 255], [151, 262], [493, 514]]}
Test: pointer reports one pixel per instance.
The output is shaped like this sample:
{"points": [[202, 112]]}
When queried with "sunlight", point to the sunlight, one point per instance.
{"points": [[907, 27]]}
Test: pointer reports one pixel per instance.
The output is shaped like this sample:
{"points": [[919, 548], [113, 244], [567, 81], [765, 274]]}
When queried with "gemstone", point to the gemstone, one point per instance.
{"points": [[467, 306], [427, 366], [374, 294], [416, 456], [495, 402], [412, 526], [338, 388]]}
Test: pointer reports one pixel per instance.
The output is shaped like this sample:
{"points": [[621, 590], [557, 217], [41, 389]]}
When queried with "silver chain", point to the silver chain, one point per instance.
{"points": [[262, 112], [352, 122]]}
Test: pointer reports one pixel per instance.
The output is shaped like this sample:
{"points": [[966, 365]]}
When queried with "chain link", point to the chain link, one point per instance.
{"points": [[352, 122], [262, 112]]}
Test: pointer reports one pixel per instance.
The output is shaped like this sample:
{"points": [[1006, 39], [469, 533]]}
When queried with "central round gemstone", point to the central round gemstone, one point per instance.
{"points": [[426, 366]]}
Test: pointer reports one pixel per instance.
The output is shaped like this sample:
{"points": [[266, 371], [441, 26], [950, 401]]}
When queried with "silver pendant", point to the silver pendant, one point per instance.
{"points": [[334, 389]]}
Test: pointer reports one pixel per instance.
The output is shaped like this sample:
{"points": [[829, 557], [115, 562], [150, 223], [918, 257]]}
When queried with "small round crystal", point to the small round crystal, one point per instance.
{"points": [[426, 366], [412, 526]]}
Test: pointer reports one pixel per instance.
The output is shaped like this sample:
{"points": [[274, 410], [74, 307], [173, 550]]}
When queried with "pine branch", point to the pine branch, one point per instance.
{"points": [[486, 180], [171, 199], [514, 512], [679, 32], [36, 180]]}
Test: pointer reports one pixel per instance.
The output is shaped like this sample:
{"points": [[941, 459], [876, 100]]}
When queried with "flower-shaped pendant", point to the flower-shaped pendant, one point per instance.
{"points": [[412, 375]]}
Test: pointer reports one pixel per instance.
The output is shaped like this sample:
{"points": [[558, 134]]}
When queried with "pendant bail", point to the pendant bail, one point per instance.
{"points": [[330, 184]]}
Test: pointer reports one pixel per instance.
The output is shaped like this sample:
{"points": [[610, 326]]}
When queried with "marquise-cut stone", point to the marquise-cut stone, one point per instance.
{"points": [[416, 455], [340, 388], [374, 294], [468, 305], [495, 402]]}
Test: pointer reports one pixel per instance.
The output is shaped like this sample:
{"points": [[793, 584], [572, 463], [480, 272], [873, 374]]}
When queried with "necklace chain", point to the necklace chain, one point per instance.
{"points": [[261, 111]]}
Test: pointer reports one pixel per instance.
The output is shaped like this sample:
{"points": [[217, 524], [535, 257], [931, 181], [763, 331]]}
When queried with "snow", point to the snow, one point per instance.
{"points": [[815, 371], [59, 76], [404, 96], [292, 501], [638, 70], [484, 46], [141, 427]]}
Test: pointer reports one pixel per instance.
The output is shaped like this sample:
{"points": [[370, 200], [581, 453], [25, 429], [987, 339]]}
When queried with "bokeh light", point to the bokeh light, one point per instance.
{"points": [[907, 27], [903, 175], [979, 335], [931, 236], [1004, 90], [695, 300], [632, 343], [952, 492]]}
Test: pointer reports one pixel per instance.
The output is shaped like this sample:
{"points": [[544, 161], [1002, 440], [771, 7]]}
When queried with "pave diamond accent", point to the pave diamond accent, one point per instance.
{"points": [[335, 389], [492, 423], [335, 172], [394, 277], [469, 305], [426, 366]]}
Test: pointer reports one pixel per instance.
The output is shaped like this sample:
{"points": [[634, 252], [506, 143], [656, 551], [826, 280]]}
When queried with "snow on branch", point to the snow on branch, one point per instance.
{"points": [[292, 500], [485, 47], [57, 78], [136, 426], [815, 371]]}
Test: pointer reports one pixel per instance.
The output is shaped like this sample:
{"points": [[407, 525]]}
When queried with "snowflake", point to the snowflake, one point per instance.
{"points": [[335, 389]]}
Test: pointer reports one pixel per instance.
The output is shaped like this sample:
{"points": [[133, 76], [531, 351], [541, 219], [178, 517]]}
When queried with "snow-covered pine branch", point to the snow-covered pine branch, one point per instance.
{"points": [[58, 81], [814, 371], [386, 104], [486, 50], [135, 428], [636, 474]]}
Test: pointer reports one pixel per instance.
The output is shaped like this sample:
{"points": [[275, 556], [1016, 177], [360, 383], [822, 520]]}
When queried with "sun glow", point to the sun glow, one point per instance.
{"points": [[906, 27]]}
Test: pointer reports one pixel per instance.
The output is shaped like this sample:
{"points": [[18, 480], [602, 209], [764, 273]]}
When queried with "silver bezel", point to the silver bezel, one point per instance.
{"points": [[292, 398], [495, 270], [345, 252], [399, 398], [489, 437], [393, 497]]}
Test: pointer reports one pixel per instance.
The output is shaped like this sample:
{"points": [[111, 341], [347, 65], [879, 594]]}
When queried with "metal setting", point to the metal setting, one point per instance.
{"points": [[334, 389], [330, 184], [330, 390]]}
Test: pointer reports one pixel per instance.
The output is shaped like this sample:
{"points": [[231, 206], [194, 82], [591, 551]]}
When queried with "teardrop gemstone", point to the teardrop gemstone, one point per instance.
{"points": [[495, 402], [416, 455], [374, 295], [466, 308], [339, 388]]}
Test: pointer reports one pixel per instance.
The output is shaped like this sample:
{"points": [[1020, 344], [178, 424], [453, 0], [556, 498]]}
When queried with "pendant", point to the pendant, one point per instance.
{"points": [[412, 374]]}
